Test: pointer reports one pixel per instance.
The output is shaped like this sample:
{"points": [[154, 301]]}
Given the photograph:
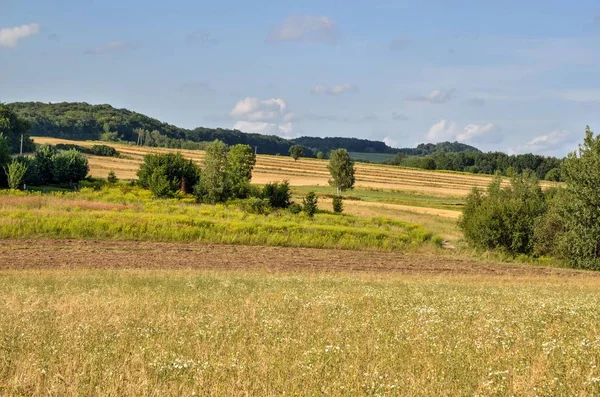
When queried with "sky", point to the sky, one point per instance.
{"points": [[513, 76]]}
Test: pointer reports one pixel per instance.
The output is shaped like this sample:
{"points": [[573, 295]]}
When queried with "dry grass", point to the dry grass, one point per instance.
{"points": [[161, 332]]}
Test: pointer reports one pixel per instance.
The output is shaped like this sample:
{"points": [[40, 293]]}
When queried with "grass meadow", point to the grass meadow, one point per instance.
{"points": [[155, 333], [125, 213]]}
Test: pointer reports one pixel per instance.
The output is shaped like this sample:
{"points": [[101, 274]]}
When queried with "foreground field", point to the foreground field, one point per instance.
{"points": [[268, 331]]}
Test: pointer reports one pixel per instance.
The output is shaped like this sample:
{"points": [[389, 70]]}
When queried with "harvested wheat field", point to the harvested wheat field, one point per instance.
{"points": [[304, 172]]}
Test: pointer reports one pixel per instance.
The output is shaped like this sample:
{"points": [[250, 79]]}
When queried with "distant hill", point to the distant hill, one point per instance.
{"points": [[82, 121]]}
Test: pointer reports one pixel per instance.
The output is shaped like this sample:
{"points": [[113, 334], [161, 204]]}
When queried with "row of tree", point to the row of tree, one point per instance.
{"points": [[226, 175], [47, 166], [544, 167], [562, 222], [82, 121]]}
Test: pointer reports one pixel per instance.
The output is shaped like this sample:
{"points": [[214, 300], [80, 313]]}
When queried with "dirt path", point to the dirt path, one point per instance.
{"points": [[68, 254]]}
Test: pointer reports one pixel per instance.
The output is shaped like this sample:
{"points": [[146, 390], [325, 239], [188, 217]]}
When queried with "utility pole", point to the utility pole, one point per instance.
{"points": [[21, 144], [255, 150]]}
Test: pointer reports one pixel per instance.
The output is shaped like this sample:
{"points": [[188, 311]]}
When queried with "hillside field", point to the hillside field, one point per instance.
{"points": [[114, 292], [304, 172]]}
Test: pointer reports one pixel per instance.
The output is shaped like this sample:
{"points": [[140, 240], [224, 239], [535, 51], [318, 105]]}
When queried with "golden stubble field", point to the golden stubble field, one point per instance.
{"points": [[304, 172]]}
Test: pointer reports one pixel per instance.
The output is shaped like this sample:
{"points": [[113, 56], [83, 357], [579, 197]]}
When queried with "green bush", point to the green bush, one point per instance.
{"points": [[504, 217], [579, 210], [69, 167], [309, 204], [295, 208], [112, 177], [278, 194], [338, 204], [159, 170], [255, 205], [43, 165], [15, 172]]}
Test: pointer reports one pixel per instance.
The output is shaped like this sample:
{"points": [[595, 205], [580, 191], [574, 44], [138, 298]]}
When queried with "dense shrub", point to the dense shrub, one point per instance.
{"points": [[168, 173], [43, 164], [15, 172], [256, 205], [338, 204], [309, 204], [579, 210], [295, 208], [504, 217], [69, 167], [112, 177], [278, 194]]}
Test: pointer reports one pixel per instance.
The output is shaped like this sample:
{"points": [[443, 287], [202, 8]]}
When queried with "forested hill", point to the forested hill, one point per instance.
{"points": [[82, 121]]}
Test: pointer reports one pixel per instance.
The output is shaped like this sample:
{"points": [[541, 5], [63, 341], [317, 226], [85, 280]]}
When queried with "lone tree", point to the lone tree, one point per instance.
{"points": [[214, 187], [341, 168], [296, 151], [309, 204], [240, 163], [15, 172]]}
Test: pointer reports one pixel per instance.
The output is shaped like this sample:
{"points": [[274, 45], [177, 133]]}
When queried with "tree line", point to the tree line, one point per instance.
{"points": [[547, 168], [562, 222], [82, 121]]}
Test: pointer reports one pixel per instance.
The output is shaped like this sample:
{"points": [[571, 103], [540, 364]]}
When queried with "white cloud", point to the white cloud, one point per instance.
{"points": [[263, 116], [306, 28], [253, 109], [442, 130], [473, 131], [548, 143], [435, 96], [334, 90], [479, 133], [10, 37], [114, 46], [391, 142]]}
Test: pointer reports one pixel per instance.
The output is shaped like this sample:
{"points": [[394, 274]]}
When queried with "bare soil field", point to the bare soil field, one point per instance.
{"points": [[304, 172], [73, 254]]}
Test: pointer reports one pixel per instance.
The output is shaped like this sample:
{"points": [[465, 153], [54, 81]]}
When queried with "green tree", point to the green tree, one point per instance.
{"points": [[181, 174], [581, 214], [320, 155], [213, 187], [504, 217], [4, 156], [296, 151], [341, 168], [309, 204], [112, 177], [240, 163], [278, 194], [338, 204], [553, 175], [15, 172], [43, 161], [69, 167], [13, 127]]}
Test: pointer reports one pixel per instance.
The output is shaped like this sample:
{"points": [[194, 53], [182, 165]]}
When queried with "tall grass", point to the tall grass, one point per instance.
{"points": [[132, 214], [189, 333]]}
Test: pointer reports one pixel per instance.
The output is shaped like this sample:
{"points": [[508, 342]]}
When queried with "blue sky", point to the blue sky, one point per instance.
{"points": [[512, 76]]}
